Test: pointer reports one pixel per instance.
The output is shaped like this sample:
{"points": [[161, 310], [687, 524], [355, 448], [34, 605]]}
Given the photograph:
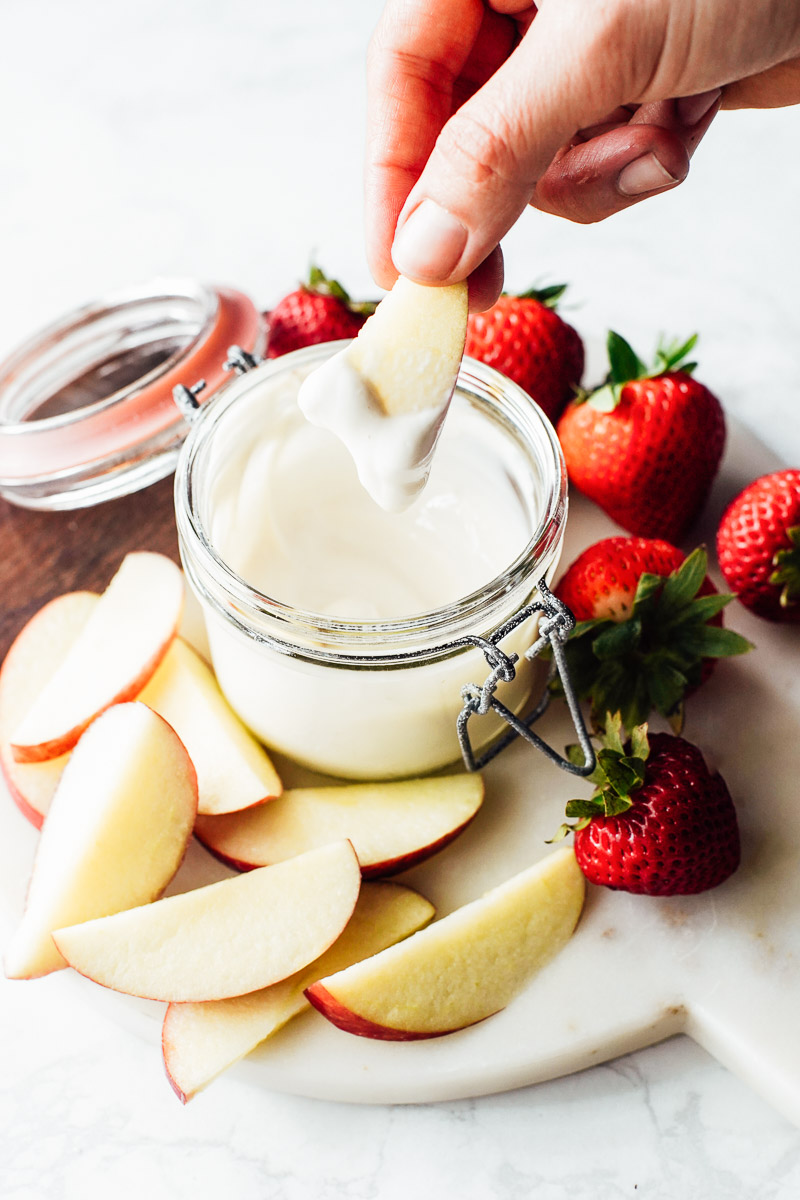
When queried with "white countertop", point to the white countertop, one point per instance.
{"points": [[224, 142]]}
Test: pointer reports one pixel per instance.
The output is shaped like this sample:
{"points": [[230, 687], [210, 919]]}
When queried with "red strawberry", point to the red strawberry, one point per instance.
{"points": [[647, 444], [660, 823], [317, 311], [758, 545], [649, 627], [525, 338]]}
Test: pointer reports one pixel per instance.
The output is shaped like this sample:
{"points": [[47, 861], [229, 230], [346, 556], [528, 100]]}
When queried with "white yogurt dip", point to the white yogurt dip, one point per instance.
{"points": [[392, 452], [291, 517], [337, 629]]}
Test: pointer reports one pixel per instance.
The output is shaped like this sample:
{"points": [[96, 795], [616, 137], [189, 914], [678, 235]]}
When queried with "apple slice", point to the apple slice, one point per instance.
{"points": [[224, 939], [385, 395], [36, 652], [200, 1040], [117, 651], [392, 825], [464, 967], [233, 770], [115, 835], [410, 349]]}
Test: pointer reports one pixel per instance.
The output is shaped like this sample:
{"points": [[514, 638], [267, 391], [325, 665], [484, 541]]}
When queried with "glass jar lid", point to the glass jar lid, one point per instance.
{"points": [[86, 406]]}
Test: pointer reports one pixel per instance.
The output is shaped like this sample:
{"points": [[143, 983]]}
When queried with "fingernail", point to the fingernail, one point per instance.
{"points": [[430, 243], [645, 174], [692, 108]]}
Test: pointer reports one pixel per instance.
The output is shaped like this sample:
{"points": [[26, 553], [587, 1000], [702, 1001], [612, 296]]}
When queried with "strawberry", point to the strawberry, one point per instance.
{"points": [[660, 823], [525, 338], [758, 545], [647, 444], [649, 627], [317, 311]]}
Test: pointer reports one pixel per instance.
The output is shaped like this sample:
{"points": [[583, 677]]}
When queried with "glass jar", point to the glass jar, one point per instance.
{"points": [[86, 407], [365, 699]]}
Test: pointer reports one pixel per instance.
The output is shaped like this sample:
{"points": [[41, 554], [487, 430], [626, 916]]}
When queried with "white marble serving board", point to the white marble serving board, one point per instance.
{"points": [[723, 967]]}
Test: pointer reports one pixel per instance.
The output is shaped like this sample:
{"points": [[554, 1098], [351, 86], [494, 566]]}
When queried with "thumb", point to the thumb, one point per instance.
{"points": [[488, 157]]}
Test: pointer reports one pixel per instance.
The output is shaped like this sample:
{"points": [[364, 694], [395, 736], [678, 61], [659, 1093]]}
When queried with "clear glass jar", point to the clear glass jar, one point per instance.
{"points": [[86, 408], [351, 698]]}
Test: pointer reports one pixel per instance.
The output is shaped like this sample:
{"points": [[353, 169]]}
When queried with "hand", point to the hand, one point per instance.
{"points": [[476, 109]]}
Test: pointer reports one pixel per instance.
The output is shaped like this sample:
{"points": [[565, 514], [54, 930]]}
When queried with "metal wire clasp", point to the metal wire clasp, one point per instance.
{"points": [[240, 361], [186, 399], [555, 627]]}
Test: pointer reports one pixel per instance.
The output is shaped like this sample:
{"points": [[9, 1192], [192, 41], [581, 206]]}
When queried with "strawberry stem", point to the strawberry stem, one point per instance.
{"points": [[625, 366], [322, 285], [651, 660], [787, 572], [548, 296], [620, 772]]}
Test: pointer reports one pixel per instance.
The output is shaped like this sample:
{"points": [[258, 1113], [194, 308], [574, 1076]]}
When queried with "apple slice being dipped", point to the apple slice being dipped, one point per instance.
{"points": [[118, 649], [410, 349], [224, 939], [386, 395], [233, 769], [464, 967], [38, 649], [115, 835], [200, 1040], [392, 825]]}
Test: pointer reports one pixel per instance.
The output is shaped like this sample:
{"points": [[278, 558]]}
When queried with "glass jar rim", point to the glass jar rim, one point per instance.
{"points": [[128, 436], [225, 588]]}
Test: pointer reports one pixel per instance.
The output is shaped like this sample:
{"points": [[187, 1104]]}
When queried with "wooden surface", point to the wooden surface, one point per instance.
{"points": [[45, 553]]}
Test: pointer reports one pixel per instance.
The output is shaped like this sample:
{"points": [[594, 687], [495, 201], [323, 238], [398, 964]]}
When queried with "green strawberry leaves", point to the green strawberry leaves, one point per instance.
{"points": [[620, 772], [650, 662], [321, 285], [786, 575], [671, 357], [623, 361], [625, 366], [548, 296]]}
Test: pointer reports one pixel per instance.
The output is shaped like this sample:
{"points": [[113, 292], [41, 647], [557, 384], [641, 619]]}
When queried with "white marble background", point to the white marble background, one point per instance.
{"points": [[224, 141]]}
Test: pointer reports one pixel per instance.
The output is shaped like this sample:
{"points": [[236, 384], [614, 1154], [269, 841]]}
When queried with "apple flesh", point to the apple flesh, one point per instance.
{"points": [[392, 825], [464, 967], [409, 351], [116, 833], [225, 939], [40, 646], [199, 1041], [233, 770], [118, 649]]}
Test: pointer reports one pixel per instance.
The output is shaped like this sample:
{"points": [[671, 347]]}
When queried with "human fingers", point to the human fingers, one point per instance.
{"points": [[621, 162], [594, 179], [418, 70], [489, 156], [486, 282], [776, 88]]}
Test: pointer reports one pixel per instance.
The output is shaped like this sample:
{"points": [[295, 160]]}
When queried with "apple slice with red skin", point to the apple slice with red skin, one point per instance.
{"points": [[464, 967], [115, 835], [233, 770], [224, 939], [123, 641], [36, 652], [199, 1041], [392, 825]]}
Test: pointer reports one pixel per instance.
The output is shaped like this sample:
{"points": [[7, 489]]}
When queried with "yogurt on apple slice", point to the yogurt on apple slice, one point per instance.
{"points": [[385, 395], [321, 545], [392, 453]]}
